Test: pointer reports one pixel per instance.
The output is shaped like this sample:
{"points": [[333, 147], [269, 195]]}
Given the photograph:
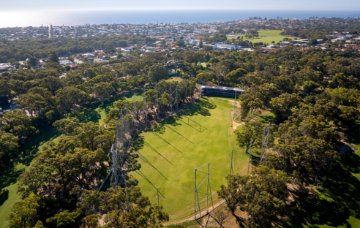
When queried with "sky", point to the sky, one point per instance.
{"points": [[31, 5]]}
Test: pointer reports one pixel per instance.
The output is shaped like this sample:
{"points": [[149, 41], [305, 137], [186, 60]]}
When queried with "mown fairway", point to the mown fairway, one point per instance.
{"points": [[169, 155], [268, 36]]}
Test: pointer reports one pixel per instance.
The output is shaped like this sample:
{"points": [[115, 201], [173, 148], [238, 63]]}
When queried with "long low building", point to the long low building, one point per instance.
{"points": [[5, 67], [221, 91]]}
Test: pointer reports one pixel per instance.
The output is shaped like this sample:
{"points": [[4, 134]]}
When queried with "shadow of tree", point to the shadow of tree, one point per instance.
{"points": [[311, 209], [178, 133], [31, 148], [88, 114], [9, 176], [158, 153], [349, 159], [4, 195], [201, 107], [335, 200]]}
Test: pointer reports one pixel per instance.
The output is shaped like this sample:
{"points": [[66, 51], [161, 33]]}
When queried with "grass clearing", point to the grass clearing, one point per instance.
{"points": [[135, 98], [168, 157], [266, 37], [6, 207], [102, 114], [174, 79]]}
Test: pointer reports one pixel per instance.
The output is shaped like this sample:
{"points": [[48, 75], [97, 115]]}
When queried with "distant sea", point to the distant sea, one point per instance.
{"points": [[29, 18]]}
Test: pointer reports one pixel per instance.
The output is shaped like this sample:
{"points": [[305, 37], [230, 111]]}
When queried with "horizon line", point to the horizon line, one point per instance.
{"points": [[176, 9]]}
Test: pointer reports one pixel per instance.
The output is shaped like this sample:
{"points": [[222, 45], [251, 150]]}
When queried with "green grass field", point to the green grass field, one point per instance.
{"points": [[174, 79], [135, 98], [267, 37], [168, 157], [5, 208]]}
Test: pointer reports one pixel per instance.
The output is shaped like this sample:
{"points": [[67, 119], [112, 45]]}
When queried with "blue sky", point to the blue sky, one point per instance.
{"points": [[7, 5]]}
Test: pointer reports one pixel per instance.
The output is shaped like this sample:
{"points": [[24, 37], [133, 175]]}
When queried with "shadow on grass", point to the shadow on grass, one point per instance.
{"points": [[138, 142], [201, 107], [311, 209], [168, 143], [150, 182], [158, 153], [4, 195], [144, 159], [198, 107], [9, 176], [88, 114], [335, 201], [349, 159], [31, 148], [178, 133]]}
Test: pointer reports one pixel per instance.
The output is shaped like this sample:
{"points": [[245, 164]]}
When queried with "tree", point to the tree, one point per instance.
{"points": [[65, 219], [181, 42], [53, 57], [8, 148], [205, 76], [17, 123], [24, 212], [91, 221], [310, 87], [250, 135], [201, 45], [5, 92], [235, 75], [308, 159], [93, 137], [305, 122], [66, 126], [150, 96], [164, 101], [68, 98], [62, 171], [34, 103], [33, 62], [261, 195], [157, 73], [103, 90], [122, 207], [51, 83], [39, 224], [282, 105]]}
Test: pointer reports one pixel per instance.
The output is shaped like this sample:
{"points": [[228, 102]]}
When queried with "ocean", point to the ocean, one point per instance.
{"points": [[37, 18]]}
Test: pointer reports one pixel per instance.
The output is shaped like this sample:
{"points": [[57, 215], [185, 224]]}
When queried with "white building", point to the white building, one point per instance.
{"points": [[5, 67], [51, 32]]}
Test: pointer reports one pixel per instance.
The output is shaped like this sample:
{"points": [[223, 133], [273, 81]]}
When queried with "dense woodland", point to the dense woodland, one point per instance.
{"points": [[11, 51], [305, 173], [304, 176]]}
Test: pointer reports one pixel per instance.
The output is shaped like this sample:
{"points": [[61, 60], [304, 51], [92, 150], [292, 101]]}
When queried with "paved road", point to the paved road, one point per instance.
{"points": [[199, 215]]}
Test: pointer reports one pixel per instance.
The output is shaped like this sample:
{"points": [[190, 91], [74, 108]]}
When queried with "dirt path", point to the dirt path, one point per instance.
{"points": [[235, 114], [234, 124], [199, 215]]}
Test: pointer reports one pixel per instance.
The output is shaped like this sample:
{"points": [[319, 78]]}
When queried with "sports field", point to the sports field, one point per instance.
{"points": [[168, 156], [267, 37]]}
